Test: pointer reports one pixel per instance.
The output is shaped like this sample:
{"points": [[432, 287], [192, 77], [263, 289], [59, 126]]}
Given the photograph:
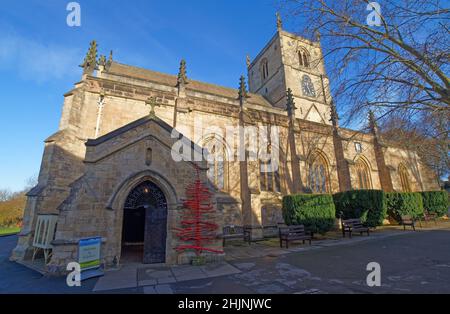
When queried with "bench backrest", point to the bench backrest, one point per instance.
{"points": [[298, 229], [351, 222], [228, 230], [407, 218]]}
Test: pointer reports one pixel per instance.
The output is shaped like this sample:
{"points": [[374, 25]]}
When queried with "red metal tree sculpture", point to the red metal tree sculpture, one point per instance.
{"points": [[196, 228]]}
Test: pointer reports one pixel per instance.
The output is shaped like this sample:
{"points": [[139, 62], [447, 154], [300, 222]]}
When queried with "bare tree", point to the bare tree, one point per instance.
{"points": [[427, 135], [5, 195], [400, 65], [31, 182]]}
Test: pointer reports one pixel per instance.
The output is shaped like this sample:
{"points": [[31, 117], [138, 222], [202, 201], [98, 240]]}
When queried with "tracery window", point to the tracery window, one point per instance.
{"points": [[269, 178], [318, 175], [269, 174], [217, 166], [363, 175]]}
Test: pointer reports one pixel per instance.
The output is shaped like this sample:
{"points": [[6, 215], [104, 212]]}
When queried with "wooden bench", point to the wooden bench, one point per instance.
{"points": [[353, 225], [293, 233], [407, 220], [236, 232], [428, 216]]}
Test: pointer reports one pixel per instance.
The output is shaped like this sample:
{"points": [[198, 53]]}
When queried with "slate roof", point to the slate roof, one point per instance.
{"points": [[171, 80]]}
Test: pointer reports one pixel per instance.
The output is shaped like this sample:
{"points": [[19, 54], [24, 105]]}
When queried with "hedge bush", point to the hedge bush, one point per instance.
{"points": [[404, 204], [316, 212], [436, 202], [368, 205]]}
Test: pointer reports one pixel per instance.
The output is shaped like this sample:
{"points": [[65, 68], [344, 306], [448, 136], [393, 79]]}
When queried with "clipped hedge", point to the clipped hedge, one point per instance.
{"points": [[436, 202], [404, 204], [316, 212], [368, 205]]}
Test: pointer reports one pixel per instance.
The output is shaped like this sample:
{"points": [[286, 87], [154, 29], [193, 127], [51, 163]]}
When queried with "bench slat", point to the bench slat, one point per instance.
{"points": [[292, 233], [353, 225]]}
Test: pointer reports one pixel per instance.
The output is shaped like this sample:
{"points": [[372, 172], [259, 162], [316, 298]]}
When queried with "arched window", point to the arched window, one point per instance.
{"points": [[264, 67], [303, 58], [269, 175], [318, 175], [404, 178], [216, 158], [363, 175]]}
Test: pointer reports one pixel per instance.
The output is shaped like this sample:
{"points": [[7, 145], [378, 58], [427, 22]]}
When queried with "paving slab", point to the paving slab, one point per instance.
{"points": [[221, 269], [275, 252], [245, 266], [271, 288], [166, 280], [120, 279], [187, 272], [150, 290], [154, 275], [163, 289], [147, 282]]}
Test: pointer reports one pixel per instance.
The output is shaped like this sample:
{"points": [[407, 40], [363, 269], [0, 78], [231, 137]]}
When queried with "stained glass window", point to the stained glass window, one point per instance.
{"points": [[318, 175]]}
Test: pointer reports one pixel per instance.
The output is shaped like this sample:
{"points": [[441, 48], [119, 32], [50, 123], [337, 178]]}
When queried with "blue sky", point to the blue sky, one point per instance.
{"points": [[40, 54]]}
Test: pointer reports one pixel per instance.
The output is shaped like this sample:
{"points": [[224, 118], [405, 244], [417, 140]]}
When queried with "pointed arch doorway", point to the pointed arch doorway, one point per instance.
{"points": [[144, 230]]}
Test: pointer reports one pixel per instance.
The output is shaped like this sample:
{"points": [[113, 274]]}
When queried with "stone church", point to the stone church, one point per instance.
{"points": [[109, 170]]}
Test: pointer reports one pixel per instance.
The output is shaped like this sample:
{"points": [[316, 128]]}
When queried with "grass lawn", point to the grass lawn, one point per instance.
{"points": [[8, 230]]}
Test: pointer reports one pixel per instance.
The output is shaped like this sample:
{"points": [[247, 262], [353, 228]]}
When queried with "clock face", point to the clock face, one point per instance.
{"points": [[308, 87]]}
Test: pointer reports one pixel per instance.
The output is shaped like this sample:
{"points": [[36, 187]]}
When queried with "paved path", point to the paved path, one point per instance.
{"points": [[15, 278], [411, 263]]}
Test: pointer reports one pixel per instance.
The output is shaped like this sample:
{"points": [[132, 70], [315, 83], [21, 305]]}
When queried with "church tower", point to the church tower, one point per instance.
{"points": [[291, 62]]}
